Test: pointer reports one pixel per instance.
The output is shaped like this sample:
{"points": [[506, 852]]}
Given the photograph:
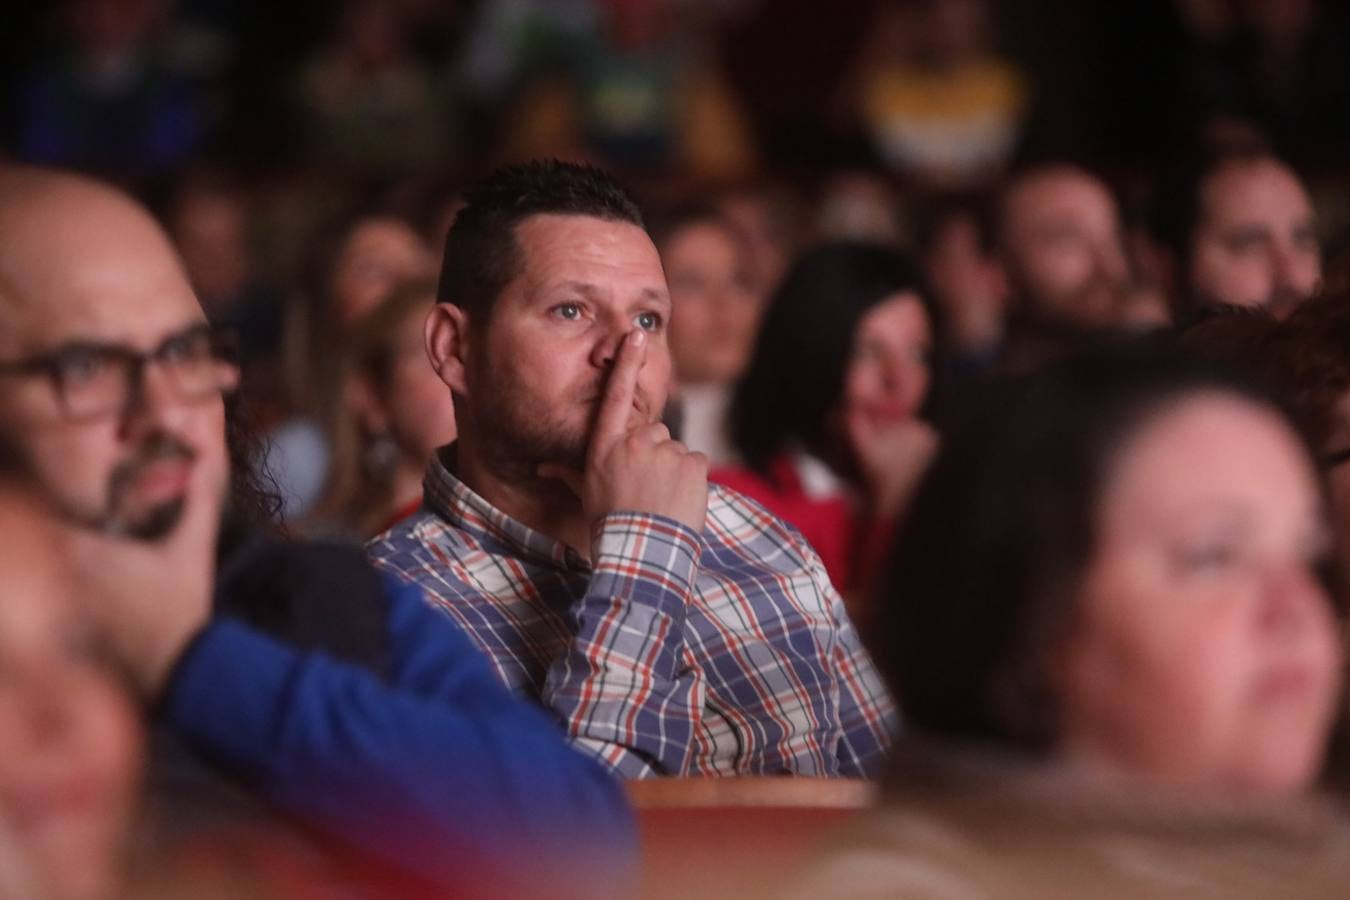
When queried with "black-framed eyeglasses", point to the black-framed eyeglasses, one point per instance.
{"points": [[94, 380]]}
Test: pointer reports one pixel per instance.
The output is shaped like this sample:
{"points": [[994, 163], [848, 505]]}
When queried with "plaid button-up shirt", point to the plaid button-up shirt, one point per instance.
{"points": [[671, 652]]}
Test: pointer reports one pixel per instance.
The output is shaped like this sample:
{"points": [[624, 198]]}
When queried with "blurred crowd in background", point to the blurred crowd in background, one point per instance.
{"points": [[863, 209], [306, 161]]}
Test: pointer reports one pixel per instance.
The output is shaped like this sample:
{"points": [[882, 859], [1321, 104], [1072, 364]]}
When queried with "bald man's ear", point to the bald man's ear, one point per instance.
{"points": [[446, 334]]}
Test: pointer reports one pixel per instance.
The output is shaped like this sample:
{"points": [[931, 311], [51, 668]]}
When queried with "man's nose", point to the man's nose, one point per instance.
{"points": [[606, 348], [153, 403], [1283, 270]]}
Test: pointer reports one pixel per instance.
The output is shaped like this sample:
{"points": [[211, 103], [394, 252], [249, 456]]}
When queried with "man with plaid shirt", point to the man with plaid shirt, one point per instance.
{"points": [[675, 627]]}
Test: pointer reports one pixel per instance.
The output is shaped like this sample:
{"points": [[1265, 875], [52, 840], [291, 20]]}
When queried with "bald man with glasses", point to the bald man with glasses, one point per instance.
{"points": [[291, 677]]}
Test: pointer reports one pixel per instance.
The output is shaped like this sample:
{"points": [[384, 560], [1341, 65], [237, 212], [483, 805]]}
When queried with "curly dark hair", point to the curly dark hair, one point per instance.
{"points": [[254, 499], [1309, 357]]}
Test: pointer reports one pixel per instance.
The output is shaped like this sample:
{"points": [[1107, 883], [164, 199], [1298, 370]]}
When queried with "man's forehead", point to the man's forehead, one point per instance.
{"points": [[1265, 184], [574, 250], [1069, 196], [1056, 199], [65, 280], [134, 307]]}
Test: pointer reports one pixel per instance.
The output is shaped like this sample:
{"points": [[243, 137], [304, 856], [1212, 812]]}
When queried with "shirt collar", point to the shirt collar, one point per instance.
{"points": [[454, 502]]}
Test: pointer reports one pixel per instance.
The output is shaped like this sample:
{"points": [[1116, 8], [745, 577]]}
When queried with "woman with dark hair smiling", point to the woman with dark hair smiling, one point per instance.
{"points": [[1106, 625], [826, 419]]}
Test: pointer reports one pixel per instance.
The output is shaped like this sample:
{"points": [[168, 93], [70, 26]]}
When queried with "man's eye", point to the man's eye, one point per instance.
{"points": [[569, 311], [1244, 243], [189, 348], [82, 367], [648, 321]]}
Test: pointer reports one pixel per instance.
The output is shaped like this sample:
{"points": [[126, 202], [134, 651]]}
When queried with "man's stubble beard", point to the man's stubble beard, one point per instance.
{"points": [[1280, 303], [114, 519], [1097, 303], [516, 434], [155, 522]]}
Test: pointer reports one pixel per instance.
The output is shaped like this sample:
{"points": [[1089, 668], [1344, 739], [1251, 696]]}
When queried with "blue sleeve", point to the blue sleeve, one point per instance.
{"points": [[442, 773]]}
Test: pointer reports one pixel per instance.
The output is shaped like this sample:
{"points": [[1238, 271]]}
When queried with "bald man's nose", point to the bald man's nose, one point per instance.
{"points": [[154, 404]]}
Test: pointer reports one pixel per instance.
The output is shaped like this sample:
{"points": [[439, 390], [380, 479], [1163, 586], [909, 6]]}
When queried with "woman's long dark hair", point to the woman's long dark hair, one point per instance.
{"points": [[796, 374]]}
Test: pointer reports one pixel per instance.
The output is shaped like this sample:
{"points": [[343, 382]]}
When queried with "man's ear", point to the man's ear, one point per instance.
{"points": [[446, 334]]}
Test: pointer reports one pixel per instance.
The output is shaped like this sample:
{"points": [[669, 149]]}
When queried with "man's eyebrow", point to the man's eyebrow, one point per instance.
{"points": [[1247, 229], [589, 289], [79, 344], [580, 287]]}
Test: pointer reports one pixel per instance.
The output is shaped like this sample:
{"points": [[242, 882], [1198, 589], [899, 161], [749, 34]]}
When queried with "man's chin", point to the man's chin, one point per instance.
{"points": [[152, 524], [528, 452]]}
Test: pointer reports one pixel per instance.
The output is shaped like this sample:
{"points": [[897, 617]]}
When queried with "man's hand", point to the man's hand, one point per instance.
{"points": [[892, 456], [150, 598], [640, 468]]}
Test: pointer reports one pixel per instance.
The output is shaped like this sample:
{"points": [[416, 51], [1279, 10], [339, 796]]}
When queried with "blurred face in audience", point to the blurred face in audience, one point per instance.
{"points": [[89, 282], [69, 740], [968, 282], [1204, 652], [210, 231], [714, 309], [377, 255], [411, 403], [763, 229], [1063, 249], [535, 383], [1256, 241], [887, 378]]}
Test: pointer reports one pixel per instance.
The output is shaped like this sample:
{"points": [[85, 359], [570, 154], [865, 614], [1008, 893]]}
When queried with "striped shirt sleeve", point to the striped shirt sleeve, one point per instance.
{"points": [[867, 714], [625, 689]]}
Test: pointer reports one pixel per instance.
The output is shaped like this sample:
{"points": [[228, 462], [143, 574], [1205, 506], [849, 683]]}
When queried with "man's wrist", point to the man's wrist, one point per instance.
{"points": [[646, 545]]}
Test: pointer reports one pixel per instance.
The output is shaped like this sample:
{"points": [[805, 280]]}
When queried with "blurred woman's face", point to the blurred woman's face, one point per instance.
{"points": [[375, 257], [417, 404], [69, 740], [1205, 651], [714, 310], [888, 375]]}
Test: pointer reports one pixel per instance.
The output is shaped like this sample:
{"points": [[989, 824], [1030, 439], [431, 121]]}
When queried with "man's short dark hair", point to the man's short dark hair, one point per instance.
{"points": [[482, 254]]}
